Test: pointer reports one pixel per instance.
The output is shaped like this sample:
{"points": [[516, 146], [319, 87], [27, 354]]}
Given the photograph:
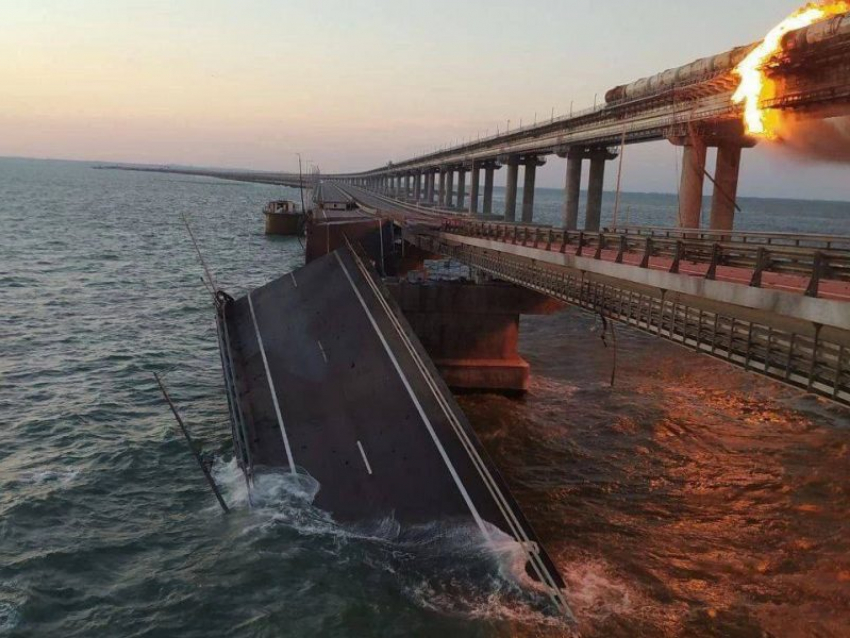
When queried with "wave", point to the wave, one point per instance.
{"points": [[61, 477], [445, 566]]}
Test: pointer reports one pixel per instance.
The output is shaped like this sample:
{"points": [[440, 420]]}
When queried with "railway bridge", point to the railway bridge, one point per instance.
{"points": [[773, 303], [690, 106]]}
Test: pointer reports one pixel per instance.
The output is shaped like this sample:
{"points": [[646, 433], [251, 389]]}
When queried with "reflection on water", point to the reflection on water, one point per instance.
{"points": [[692, 499]]}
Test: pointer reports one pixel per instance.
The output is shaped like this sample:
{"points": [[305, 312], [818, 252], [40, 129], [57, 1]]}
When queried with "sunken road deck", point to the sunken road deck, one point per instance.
{"points": [[332, 382]]}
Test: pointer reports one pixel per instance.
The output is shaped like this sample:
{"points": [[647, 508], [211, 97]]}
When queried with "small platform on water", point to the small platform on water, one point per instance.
{"points": [[282, 217]]}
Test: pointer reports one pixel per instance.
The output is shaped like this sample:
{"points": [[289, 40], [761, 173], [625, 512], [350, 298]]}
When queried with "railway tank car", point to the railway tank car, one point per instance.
{"points": [[697, 71]]}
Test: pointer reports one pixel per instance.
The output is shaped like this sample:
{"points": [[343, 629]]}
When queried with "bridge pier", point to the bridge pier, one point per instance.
{"points": [[511, 188], [461, 187], [572, 189], [595, 185], [725, 193], [441, 192], [417, 186], [429, 187], [406, 185], [475, 176], [531, 164], [450, 188], [693, 181], [471, 331], [489, 169]]}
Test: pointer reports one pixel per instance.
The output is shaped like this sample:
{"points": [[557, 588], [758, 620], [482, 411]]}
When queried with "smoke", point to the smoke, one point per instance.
{"points": [[825, 140]]}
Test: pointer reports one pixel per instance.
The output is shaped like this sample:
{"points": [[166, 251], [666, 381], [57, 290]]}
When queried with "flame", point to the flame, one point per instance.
{"points": [[755, 86]]}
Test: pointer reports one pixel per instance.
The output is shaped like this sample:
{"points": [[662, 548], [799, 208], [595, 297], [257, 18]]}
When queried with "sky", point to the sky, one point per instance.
{"points": [[354, 84]]}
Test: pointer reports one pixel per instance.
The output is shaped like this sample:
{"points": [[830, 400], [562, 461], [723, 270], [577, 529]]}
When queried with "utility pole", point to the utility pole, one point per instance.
{"points": [[301, 184]]}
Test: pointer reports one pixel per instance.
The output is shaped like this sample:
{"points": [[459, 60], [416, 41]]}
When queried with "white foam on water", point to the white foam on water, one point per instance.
{"points": [[443, 566], [60, 477], [595, 594], [9, 616]]}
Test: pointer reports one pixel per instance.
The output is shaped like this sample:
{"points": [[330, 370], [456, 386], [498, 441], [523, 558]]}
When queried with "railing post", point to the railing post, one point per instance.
{"points": [[580, 244], [647, 252], [600, 244], [621, 251], [817, 271], [677, 257], [762, 262], [711, 274]]}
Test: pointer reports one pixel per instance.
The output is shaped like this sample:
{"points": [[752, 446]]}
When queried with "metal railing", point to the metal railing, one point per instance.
{"points": [[802, 354], [813, 258]]}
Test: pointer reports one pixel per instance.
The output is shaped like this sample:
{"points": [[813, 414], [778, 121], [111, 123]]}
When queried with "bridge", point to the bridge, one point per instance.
{"points": [[771, 303], [690, 106], [341, 370]]}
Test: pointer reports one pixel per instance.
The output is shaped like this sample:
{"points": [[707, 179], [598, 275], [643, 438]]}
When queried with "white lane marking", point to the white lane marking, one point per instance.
{"points": [[324, 356], [292, 274], [419, 408], [271, 386], [365, 460]]}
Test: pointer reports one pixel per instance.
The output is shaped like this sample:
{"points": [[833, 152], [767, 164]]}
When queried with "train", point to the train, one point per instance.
{"points": [[710, 68]]}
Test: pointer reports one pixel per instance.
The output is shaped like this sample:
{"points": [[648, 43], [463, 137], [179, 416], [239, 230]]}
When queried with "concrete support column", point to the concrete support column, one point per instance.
{"points": [[441, 190], [531, 165], [475, 176], [725, 187], [487, 208], [461, 187], [572, 190], [510, 189], [407, 185], [450, 188], [693, 179], [593, 214], [417, 186]]}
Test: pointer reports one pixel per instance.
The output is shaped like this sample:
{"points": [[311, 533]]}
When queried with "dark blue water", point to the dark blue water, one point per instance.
{"points": [[690, 500], [655, 209]]}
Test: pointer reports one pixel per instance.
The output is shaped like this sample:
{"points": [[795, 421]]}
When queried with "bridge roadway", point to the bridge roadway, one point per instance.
{"points": [[327, 382], [772, 303], [292, 180], [690, 106]]}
